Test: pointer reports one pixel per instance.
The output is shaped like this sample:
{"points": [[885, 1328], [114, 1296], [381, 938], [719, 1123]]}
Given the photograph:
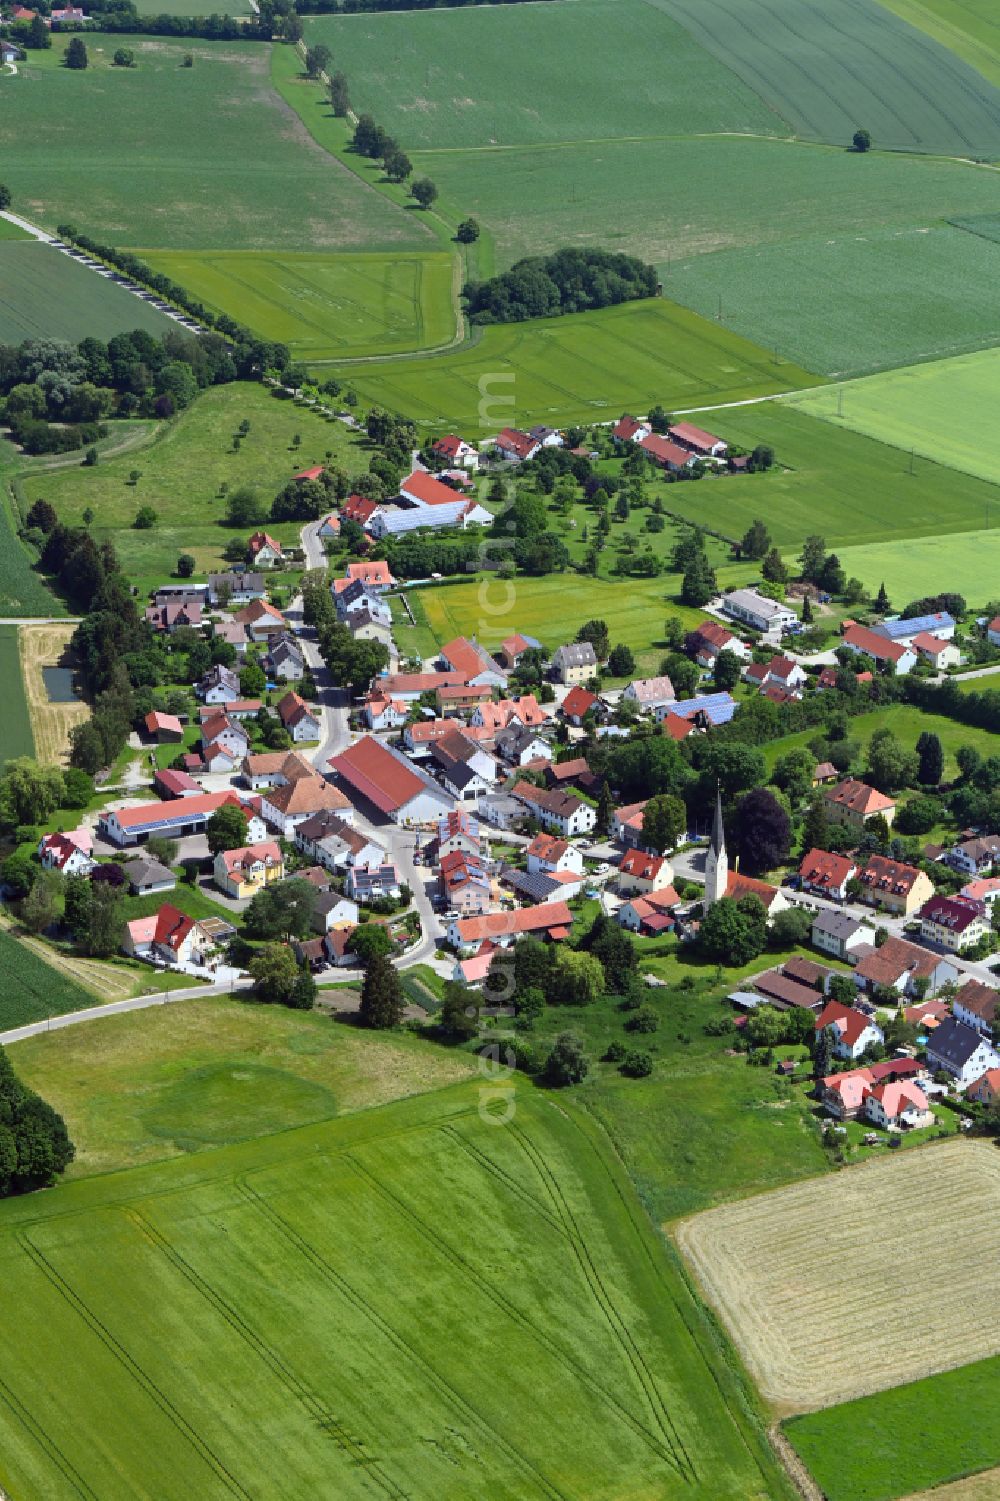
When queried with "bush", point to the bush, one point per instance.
{"points": [[637, 1065], [616, 1053], [643, 1020]]}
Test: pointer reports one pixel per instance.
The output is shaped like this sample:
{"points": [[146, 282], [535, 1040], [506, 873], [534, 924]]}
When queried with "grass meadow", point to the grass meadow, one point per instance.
{"points": [[907, 724], [824, 70], [46, 295], [31, 990], [432, 77], [970, 28], [945, 411], [9, 231], [16, 738], [304, 1313], [913, 567], [578, 368], [848, 487], [182, 158], [325, 306]]}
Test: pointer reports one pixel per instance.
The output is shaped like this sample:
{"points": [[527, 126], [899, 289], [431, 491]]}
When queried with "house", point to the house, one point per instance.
{"points": [[173, 617], [705, 712], [464, 882], [180, 818], [666, 455], [334, 844], [382, 776], [522, 713], [165, 729], [757, 611], [547, 437], [263, 551], [515, 447], [626, 825], [220, 685], [770, 897], [574, 663], [559, 811], [827, 874], [840, 935], [987, 890], [285, 807], [851, 1032], [512, 649], [519, 747], [780, 672], [243, 872], [384, 713], [650, 914], [899, 966], [457, 831], [328, 527], [235, 587], [640, 873], [705, 445], [705, 644], [301, 722], [954, 922], [172, 937], [785, 992], [972, 857], [169, 784], [976, 1006], [897, 1105], [261, 620], [408, 686], [71, 853], [547, 853], [237, 710], [986, 1089], [893, 886], [939, 624], [219, 731], [275, 768], [458, 762], [477, 667], [285, 661], [473, 972], [630, 430], [993, 631], [578, 703], [233, 634], [334, 911], [502, 811], [851, 803], [375, 575], [452, 451], [895, 656], [367, 883], [576, 773], [650, 693], [940, 654], [824, 773], [426, 493], [843, 1095], [960, 1051], [550, 920], [147, 876]]}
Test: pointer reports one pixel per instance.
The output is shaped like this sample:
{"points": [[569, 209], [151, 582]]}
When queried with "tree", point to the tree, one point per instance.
{"points": [[39, 908], [457, 1019], [727, 670], [164, 850], [104, 931], [397, 164], [731, 932], [34, 1142], [185, 565], [889, 764], [226, 829], [77, 902], [621, 662], [303, 996], [281, 910], [823, 1048], [812, 558], [761, 458], [244, 508], [43, 516], [145, 519], [931, 763], [762, 833], [252, 680], [882, 604], [605, 808], [773, 569], [699, 583], [567, 1063], [596, 632], [75, 55], [316, 59], [683, 674], [424, 191], [381, 995], [124, 58], [843, 989], [340, 99], [791, 928], [969, 761], [274, 973], [793, 773], [467, 232], [6, 197], [30, 793], [664, 822], [807, 611], [370, 941], [577, 978], [862, 140], [616, 951], [756, 541]]}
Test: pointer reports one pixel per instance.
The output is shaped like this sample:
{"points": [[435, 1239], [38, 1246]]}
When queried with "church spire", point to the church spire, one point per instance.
{"points": [[716, 861], [718, 833]]}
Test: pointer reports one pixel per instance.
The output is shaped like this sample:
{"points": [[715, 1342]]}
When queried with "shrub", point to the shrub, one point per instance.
{"points": [[637, 1064]]}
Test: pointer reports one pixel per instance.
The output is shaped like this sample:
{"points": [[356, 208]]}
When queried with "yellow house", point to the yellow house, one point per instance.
{"points": [[241, 873], [893, 886]]}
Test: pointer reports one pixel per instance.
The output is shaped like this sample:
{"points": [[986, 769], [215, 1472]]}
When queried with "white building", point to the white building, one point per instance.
{"points": [[757, 611]]}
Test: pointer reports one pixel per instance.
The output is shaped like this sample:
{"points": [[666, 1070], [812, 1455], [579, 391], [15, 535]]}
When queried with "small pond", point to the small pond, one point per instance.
{"points": [[59, 685]]}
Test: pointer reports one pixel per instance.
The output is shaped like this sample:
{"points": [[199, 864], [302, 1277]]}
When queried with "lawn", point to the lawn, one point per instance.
{"points": [[432, 77], [945, 410], [182, 469], [827, 69], [304, 1314], [917, 566], [908, 724], [182, 158], [30, 989], [913, 1436], [149, 1085], [579, 368], [44, 294], [324, 306], [849, 488], [16, 738]]}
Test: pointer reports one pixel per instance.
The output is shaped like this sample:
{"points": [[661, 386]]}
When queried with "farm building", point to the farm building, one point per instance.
{"points": [[382, 776]]}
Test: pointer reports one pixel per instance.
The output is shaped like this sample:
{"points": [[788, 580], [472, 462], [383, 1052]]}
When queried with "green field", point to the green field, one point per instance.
{"points": [[826, 69], [182, 158], [16, 738], [901, 1440], [824, 481], [324, 306], [485, 75], [900, 296], [46, 295], [192, 8], [908, 724], [914, 567], [10, 231], [31, 990], [945, 410], [22, 591], [582, 367], [305, 1314], [970, 28]]}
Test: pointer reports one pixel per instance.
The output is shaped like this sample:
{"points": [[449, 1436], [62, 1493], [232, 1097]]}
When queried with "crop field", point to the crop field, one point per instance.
{"points": [[46, 295], [982, 1487], [30, 989], [16, 738], [900, 296], [433, 79], [42, 646], [10, 231], [878, 1447], [183, 158], [191, 8], [970, 28], [324, 306], [256, 1320], [858, 1236], [849, 488], [583, 367], [824, 70], [913, 567], [946, 410]]}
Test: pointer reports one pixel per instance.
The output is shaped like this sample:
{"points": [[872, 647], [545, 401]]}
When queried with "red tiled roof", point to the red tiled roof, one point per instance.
{"points": [[694, 437], [376, 572], [155, 721], [739, 886], [640, 866], [464, 656], [664, 451], [550, 916], [849, 1023], [305, 474], [375, 773], [262, 539], [859, 797], [626, 427], [428, 490], [518, 443], [206, 803], [578, 702], [872, 645], [820, 868], [676, 727]]}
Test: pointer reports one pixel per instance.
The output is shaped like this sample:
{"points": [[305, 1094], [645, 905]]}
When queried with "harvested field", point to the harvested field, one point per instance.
{"points": [[43, 646], [865, 1239], [984, 1487]]}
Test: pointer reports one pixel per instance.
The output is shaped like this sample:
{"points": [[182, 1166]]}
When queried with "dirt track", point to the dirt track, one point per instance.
{"points": [[42, 646]]}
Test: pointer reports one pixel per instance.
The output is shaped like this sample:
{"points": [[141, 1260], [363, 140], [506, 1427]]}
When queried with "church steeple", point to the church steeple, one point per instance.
{"points": [[718, 832], [716, 861]]}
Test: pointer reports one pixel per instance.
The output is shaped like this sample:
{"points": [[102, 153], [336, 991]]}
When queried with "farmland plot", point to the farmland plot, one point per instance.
{"points": [[873, 1238], [16, 738], [31, 990], [46, 295]]}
